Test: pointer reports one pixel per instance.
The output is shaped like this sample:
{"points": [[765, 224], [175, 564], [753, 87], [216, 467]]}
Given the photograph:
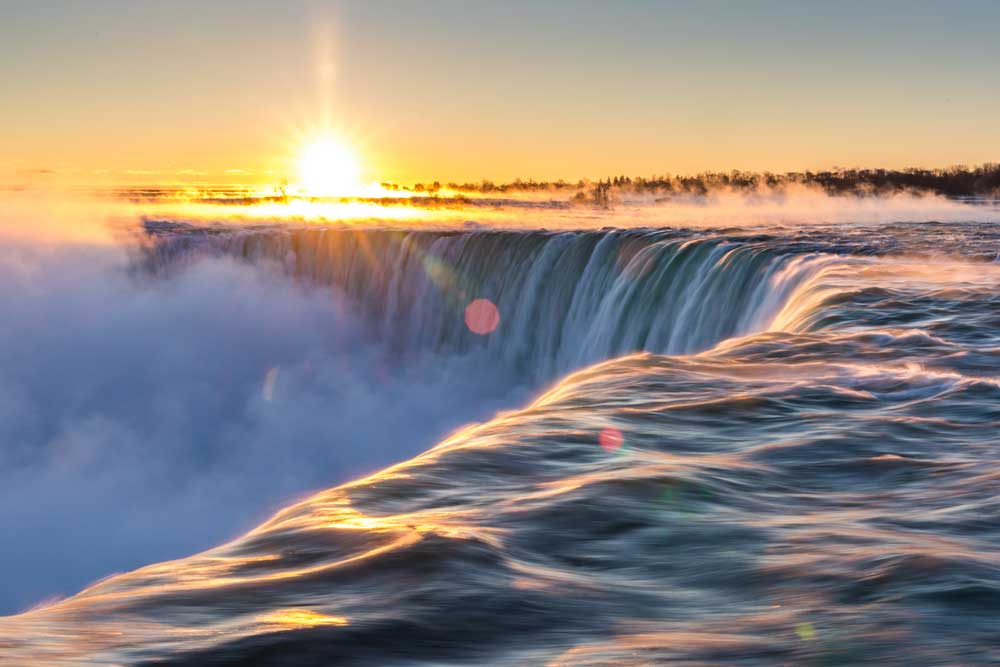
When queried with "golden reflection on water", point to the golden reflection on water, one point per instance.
{"points": [[299, 618], [304, 210]]}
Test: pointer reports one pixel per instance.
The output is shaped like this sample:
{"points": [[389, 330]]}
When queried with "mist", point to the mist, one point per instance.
{"points": [[144, 420], [794, 204]]}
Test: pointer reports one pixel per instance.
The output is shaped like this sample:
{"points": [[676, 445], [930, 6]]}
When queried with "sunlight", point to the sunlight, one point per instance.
{"points": [[328, 168], [299, 618]]}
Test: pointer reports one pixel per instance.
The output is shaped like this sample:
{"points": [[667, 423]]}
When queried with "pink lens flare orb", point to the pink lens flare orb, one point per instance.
{"points": [[611, 439], [482, 316]]}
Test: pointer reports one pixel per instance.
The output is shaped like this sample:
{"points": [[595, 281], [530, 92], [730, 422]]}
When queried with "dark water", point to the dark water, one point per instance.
{"points": [[801, 468]]}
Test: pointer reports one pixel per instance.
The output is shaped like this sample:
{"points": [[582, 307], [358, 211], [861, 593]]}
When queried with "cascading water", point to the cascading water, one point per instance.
{"points": [[565, 299]]}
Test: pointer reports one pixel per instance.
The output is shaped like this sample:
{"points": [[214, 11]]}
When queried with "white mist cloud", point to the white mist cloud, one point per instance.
{"points": [[795, 205], [145, 420]]}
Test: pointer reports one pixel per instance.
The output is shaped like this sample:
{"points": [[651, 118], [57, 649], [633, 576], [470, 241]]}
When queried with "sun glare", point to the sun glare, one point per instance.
{"points": [[328, 168]]}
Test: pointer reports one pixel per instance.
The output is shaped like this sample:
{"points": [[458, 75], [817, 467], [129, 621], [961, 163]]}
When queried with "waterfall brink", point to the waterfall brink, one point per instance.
{"points": [[565, 299]]}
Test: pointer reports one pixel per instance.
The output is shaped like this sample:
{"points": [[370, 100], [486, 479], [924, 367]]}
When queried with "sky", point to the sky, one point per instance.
{"points": [[229, 91]]}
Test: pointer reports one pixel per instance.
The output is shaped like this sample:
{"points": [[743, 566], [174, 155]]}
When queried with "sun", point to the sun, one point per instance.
{"points": [[328, 168]]}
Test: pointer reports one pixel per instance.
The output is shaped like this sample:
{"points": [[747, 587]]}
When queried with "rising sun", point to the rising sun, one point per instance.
{"points": [[328, 168]]}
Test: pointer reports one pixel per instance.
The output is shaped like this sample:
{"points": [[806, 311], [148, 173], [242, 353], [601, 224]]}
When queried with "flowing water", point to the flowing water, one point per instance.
{"points": [[760, 447]]}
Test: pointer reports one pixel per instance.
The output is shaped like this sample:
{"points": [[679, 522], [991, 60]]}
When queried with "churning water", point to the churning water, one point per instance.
{"points": [[760, 447]]}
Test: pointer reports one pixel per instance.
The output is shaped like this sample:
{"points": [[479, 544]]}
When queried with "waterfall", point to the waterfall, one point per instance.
{"points": [[564, 299]]}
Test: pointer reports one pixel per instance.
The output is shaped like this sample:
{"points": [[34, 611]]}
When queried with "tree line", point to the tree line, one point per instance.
{"points": [[957, 181]]}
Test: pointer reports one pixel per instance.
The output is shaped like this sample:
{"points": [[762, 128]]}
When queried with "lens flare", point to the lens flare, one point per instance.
{"points": [[805, 631], [611, 439], [270, 378], [482, 316]]}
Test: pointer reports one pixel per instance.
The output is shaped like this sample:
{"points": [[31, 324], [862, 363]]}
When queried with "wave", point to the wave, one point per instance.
{"points": [[738, 516]]}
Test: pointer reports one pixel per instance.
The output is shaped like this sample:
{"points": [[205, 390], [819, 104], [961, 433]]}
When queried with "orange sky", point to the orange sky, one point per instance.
{"points": [[110, 92]]}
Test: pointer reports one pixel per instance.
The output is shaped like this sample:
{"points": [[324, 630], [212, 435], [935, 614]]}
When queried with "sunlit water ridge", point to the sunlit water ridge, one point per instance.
{"points": [[794, 463]]}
